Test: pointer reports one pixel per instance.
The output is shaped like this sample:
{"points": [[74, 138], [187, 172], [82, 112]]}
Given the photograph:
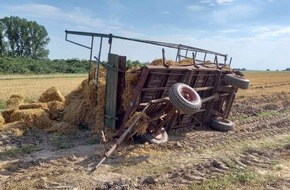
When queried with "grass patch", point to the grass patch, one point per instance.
{"points": [[2, 104], [59, 142], [236, 178], [268, 113], [13, 152]]}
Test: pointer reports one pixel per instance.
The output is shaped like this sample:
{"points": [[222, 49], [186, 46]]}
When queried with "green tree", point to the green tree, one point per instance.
{"points": [[3, 45], [24, 38]]}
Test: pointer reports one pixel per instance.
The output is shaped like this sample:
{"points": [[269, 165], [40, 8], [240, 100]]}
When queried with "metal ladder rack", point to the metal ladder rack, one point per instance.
{"points": [[189, 51]]}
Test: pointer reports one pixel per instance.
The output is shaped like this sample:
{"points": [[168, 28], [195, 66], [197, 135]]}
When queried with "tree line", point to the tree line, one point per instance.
{"points": [[22, 38], [23, 65]]}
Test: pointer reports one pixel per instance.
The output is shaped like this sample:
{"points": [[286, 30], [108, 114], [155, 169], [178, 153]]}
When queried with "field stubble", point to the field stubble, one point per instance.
{"points": [[255, 155], [32, 86]]}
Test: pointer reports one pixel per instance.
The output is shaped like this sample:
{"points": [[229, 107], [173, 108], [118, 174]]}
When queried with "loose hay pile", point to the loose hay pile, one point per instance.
{"points": [[82, 108], [2, 121]]}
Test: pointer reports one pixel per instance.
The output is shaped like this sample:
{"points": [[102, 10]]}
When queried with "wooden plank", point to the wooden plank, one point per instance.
{"points": [[120, 89], [111, 91], [133, 103]]}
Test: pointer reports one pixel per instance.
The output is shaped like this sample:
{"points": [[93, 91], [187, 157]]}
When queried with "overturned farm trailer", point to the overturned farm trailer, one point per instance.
{"points": [[166, 95]]}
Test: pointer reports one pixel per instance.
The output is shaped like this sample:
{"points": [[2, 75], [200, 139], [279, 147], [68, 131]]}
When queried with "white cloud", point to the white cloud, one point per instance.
{"points": [[195, 8], [234, 13], [220, 2], [272, 32], [208, 2], [78, 16]]}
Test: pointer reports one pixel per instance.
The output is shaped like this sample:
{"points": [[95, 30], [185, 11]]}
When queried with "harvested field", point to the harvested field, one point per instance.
{"points": [[31, 87], [255, 155]]}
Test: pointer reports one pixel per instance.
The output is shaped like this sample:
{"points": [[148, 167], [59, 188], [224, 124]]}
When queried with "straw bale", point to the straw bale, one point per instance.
{"points": [[7, 115], [2, 121], [55, 110], [33, 106], [13, 102], [141, 126], [32, 117], [131, 79], [51, 94], [16, 96], [160, 62]]}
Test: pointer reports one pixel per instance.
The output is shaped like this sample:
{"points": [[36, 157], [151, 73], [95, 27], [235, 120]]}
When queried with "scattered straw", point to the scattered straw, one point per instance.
{"points": [[187, 61], [62, 128], [51, 94], [131, 79], [160, 62], [141, 126]]}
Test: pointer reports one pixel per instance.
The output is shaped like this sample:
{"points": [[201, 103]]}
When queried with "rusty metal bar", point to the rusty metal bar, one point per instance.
{"points": [[165, 44], [120, 139]]}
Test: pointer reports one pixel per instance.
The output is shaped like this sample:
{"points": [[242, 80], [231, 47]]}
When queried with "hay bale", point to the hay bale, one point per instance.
{"points": [[157, 62], [55, 110], [14, 101], [7, 115], [32, 117], [2, 121], [33, 106], [16, 96], [51, 94]]}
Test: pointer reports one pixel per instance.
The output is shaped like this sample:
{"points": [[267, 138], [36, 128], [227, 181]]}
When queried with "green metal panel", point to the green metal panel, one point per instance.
{"points": [[111, 91]]}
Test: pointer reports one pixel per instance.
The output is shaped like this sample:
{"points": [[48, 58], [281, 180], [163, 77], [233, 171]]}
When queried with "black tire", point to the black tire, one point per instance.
{"points": [[221, 124], [187, 105], [237, 81], [163, 137]]}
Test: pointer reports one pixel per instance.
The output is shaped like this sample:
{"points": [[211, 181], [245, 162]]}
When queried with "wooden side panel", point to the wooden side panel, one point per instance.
{"points": [[111, 91], [121, 87]]}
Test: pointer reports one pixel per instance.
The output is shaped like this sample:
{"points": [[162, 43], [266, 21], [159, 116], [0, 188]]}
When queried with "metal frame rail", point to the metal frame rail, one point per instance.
{"points": [[180, 47]]}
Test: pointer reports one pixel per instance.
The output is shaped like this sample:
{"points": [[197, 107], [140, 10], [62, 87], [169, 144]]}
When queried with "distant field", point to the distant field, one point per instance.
{"points": [[263, 82], [32, 86]]}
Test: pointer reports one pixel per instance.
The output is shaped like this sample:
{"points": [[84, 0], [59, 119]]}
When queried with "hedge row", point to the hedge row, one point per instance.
{"points": [[11, 65]]}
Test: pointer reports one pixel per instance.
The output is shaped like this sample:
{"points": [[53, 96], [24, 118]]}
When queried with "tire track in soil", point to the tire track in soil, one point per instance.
{"points": [[254, 127], [217, 168]]}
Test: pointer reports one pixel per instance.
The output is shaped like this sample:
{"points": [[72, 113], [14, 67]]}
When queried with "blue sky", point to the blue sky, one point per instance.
{"points": [[256, 33]]}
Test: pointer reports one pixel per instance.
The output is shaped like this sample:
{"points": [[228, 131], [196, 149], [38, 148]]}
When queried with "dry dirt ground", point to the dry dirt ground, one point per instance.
{"points": [[255, 155]]}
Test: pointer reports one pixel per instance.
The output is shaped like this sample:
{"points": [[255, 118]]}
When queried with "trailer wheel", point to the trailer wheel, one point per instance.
{"points": [[221, 124], [156, 138], [237, 81], [184, 98]]}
